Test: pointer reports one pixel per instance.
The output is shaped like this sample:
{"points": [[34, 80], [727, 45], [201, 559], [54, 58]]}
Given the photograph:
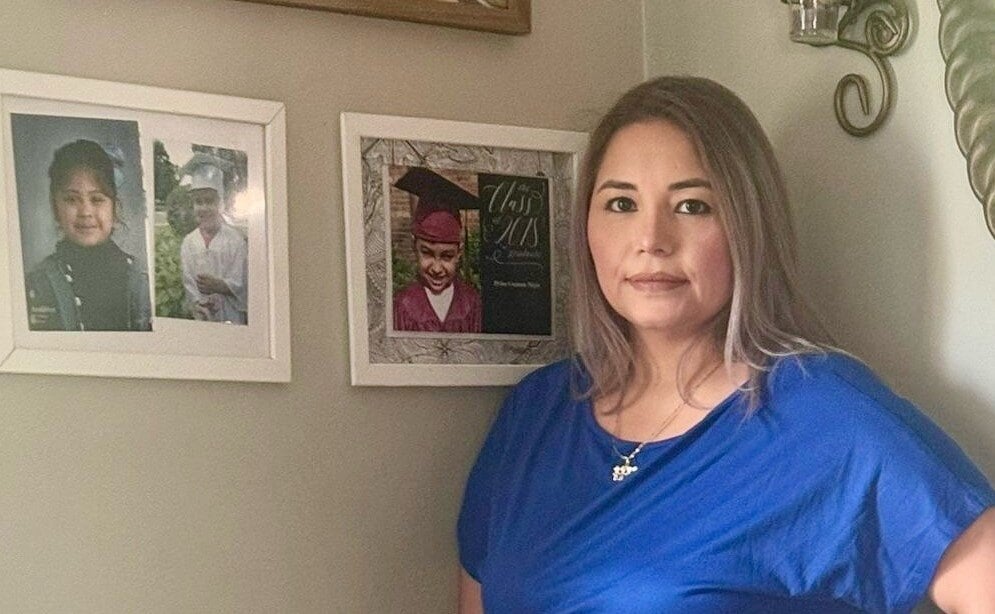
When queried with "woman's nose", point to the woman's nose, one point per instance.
{"points": [[657, 234]]}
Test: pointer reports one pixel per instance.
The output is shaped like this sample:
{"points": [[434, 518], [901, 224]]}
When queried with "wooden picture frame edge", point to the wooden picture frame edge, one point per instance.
{"points": [[516, 19]]}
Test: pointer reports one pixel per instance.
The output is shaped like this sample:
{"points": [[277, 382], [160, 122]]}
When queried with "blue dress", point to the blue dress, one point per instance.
{"points": [[835, 496]]}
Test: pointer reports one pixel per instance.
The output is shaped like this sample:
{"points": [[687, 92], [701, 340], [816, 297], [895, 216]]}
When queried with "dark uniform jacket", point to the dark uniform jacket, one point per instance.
{"points": [[54, 304]]}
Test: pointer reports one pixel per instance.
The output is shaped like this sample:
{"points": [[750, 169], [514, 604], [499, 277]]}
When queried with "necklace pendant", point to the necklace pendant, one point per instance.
{"points": [[623, 470]]}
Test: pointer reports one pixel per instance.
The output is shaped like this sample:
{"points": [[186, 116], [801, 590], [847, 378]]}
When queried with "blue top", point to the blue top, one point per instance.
{"points": [[835, 496]]}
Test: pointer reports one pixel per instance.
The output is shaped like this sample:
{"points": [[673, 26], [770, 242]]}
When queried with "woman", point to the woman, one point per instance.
{"points": [[708, 450], [89, 283]]}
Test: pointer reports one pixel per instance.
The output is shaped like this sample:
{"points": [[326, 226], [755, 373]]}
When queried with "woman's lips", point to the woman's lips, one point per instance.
{"points": [[656, 282]]}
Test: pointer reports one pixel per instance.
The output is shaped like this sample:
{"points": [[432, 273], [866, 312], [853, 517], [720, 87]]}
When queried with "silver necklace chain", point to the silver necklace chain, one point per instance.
{"points": [[622, 470]]}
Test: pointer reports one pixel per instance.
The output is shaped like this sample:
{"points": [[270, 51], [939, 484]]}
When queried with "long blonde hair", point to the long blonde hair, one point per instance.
{"points": [[767, 317]]}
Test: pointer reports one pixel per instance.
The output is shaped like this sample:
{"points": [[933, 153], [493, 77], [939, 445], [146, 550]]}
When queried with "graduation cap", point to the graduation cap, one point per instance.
{"points": [[206, 171], [436, 217]]}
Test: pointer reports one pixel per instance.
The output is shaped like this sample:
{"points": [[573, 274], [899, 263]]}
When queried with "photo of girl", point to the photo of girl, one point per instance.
{"points": [[83, 224]]}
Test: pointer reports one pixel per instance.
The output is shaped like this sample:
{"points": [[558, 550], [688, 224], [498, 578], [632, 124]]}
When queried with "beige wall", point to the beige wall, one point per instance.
{"points": [[164, 496], [895, 248]]}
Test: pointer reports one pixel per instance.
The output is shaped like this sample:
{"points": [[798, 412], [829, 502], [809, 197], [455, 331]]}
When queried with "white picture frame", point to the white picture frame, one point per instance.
{"points": [[257, 348], [376, 150]]}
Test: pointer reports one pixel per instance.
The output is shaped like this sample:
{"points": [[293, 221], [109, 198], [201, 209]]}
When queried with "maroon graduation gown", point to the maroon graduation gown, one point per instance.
{"points": [[413, 312]]}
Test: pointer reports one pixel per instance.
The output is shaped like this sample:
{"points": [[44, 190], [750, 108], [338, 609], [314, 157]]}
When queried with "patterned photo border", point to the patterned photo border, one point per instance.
{"points": [[371, 144]]}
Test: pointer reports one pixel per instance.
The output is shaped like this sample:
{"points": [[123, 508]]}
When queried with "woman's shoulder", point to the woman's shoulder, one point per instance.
{"points": [[545, 390], [553, 376], [835, 373], [837, 393]]}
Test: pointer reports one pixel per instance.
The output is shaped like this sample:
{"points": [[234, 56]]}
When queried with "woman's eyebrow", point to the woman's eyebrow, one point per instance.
{"points": [[612, 184], [695, 182]]}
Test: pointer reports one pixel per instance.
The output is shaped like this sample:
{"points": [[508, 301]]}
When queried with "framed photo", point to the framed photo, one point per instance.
{"points": [[144, 232], [456, 236], [502, 16]]}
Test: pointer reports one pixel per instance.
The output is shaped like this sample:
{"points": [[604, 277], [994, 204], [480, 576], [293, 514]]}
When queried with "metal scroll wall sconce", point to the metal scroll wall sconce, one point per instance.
{"points": [[886, 31]]}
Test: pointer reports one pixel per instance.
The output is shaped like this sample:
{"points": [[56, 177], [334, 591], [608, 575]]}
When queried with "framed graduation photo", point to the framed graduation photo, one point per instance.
{"points": [[143, 232], [455, 241]]}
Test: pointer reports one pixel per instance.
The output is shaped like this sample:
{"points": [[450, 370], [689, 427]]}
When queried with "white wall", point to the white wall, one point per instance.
{"points": [[164, 496], [895, 249]]}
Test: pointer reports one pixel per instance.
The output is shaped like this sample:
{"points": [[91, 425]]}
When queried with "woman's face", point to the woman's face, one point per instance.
{"points": [[85, 213], [659, 249]]}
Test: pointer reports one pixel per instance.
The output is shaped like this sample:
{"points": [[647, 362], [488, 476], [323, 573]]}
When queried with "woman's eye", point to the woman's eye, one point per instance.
{"points": [[693, 207], [621, 205]]}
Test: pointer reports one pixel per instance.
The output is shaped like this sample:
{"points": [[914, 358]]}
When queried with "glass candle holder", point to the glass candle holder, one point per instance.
{"points": [[814, 22]]}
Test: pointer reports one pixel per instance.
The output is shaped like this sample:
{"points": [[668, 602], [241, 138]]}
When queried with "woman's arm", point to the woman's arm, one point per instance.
{"points": [[965, 578], [470, 601]]}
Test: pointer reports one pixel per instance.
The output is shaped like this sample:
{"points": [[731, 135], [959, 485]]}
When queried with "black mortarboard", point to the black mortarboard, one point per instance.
{"points": [[437, 216]]}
